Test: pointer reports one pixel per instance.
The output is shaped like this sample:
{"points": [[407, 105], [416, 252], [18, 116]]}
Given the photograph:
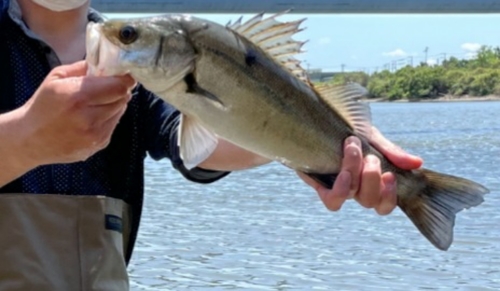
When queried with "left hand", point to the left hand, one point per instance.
{"points": [[362, 178]]}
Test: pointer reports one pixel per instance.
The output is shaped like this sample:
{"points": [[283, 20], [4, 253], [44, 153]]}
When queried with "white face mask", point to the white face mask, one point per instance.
{"points": [[60, 5]]}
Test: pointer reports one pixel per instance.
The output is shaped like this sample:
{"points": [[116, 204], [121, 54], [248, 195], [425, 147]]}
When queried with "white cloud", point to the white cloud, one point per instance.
{"points": [[324, 40], [395, 53], [431, 62], [471, 47]]}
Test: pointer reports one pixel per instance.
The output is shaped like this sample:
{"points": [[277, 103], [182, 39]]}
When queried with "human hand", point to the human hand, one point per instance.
{"points": [[361, 178], [72, 116]]}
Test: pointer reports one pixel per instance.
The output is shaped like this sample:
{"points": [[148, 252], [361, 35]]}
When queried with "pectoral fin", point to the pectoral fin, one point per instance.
{"points": [[196, 143]]}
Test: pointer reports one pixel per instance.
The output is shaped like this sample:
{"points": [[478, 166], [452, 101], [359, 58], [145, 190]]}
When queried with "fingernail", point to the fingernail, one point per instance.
{"points": [[372, 159], [351, 140]]}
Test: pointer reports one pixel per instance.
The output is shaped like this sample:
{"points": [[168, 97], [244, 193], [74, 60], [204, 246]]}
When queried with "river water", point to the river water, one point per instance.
{"points": [[264, 229]]}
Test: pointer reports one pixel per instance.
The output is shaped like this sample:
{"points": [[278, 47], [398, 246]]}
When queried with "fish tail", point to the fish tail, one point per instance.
{"points": [[432, 207]]}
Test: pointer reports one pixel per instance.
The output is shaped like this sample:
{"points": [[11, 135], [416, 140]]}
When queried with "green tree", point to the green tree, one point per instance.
{"points": [[478, 76]]}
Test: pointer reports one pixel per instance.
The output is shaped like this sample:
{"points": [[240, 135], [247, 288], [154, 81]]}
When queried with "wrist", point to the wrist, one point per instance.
{"points": [[15, 142]]}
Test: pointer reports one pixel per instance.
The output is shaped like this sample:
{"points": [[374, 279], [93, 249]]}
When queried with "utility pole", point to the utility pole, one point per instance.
{"points": [[444, 58], [426, 51], [342, 67], [411, 61]]}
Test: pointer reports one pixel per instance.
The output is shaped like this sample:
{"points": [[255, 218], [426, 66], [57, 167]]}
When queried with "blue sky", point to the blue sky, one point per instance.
{"points": [[368, 42]]}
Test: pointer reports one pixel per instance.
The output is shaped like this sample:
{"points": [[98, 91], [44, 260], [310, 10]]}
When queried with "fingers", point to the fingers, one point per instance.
{"points": [[334, 198], [369, 194], [393, 152], [362, 178], [352, 163], [347, 182], [388, 195], [90, 90], [365, 182], [109, 126], [97, 91], [102, 113], [77, 69]]}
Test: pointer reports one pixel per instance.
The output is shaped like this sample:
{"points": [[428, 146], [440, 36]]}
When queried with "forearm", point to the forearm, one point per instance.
{"points": [[229, 157], [13, 160], [162, 126]]}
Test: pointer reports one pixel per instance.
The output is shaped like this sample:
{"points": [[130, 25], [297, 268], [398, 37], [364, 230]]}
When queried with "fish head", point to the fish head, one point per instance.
{"points": [[154, 51]]}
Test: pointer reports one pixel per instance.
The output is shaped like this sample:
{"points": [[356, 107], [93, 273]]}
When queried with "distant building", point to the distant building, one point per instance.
{"points": [[318, 75]]}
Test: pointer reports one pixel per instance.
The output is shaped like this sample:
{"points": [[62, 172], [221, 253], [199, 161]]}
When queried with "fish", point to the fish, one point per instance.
{"points": [[243, 83]]}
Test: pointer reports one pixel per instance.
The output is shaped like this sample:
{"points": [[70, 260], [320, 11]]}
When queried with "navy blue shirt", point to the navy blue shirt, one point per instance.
{"points": [[149, 126]]}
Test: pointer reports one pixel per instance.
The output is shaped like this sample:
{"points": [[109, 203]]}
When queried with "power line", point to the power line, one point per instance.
{"points": [[395, 64]]}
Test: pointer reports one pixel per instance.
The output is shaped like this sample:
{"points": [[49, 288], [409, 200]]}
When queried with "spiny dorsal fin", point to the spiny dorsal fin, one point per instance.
{"points": [[275, 38], [346, 101]]}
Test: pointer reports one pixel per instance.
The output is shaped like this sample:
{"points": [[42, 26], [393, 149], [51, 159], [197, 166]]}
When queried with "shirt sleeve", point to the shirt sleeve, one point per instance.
{"points": [[161, 129]]}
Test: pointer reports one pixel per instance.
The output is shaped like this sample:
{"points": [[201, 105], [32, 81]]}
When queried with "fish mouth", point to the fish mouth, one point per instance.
{"points": [[92, 41], [102, 56]]}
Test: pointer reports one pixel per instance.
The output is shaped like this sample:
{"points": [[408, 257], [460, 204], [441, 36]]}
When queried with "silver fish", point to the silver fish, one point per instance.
{"points": [[242, 83]]}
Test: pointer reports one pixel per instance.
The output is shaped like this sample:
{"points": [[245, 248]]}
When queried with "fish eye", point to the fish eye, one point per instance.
{"points": [[128, 34]]}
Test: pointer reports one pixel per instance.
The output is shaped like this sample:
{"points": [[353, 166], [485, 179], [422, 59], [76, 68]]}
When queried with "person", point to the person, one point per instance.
{"points": [[73, 150]]}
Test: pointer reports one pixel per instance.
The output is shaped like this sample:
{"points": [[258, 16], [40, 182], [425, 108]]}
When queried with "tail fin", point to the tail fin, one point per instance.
{"points": [[434, 208]]}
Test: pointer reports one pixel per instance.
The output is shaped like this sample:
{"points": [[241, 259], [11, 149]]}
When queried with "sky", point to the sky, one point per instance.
{"points": [[370, 42]]}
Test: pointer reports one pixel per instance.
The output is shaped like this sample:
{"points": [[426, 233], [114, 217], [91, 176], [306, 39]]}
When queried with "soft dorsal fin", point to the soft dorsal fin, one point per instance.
{"points": [[346, 101], [275, 38]]}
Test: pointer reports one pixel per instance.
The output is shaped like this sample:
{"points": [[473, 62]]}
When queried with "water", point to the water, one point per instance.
{"points": [[264, 229]]}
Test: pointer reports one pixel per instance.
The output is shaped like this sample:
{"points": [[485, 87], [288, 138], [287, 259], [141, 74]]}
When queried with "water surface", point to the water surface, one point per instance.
{"points": [[264, 229]]}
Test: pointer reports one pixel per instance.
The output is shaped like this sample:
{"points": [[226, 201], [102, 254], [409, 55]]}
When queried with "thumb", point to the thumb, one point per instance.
{"points": [[395, 154], [78, 69]]}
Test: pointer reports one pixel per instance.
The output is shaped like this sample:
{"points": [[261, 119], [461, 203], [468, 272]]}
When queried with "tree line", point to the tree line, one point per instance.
{"points": [[479, 76]]}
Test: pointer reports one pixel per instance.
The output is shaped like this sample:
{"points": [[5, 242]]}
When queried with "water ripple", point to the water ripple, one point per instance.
{"points": [[263, 229]]}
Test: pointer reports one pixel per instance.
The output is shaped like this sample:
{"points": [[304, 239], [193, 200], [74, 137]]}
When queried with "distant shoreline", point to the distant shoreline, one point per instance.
{"points": [[446, 98]]}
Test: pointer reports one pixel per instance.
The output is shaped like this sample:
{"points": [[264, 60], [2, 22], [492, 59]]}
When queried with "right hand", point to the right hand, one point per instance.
{"points": [[361, 177], [72, 116]]}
